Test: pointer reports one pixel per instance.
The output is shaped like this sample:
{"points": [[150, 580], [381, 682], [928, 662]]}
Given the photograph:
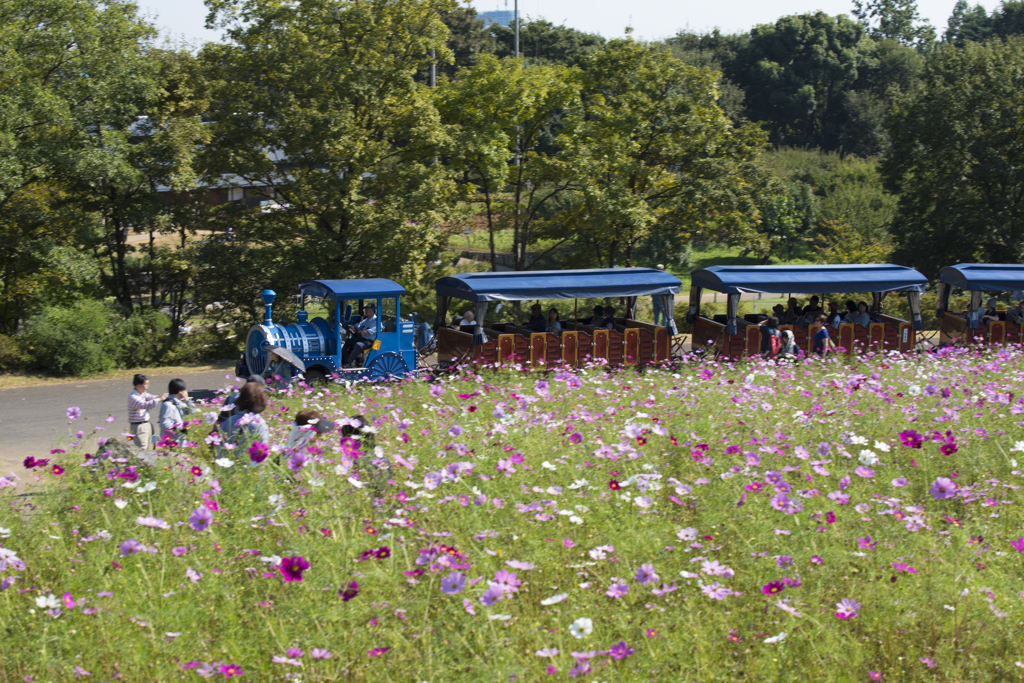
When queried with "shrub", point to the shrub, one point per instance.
{"points": [[141, 339], [71, 340], [11, 355]]}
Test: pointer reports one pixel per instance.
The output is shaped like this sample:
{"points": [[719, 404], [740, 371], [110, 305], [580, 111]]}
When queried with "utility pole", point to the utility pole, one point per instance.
{"points": [[433, 66], [516, 49]]}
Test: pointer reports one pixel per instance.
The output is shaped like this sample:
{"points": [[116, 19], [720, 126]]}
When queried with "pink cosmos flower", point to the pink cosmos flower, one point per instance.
{"points": [[318, 653], [645, 574], [847, 608], [617, 590], [1018, 545], [68, 601]]}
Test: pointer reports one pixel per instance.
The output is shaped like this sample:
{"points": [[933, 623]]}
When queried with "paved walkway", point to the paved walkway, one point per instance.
{"points": [[32, 419]]}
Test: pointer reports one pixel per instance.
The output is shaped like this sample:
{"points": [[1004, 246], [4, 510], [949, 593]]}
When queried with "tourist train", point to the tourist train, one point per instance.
{"points": [[621, 340]]}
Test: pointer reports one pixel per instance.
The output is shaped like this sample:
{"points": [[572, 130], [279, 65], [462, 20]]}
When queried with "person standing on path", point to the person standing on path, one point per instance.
{"points": [[139, 403], [174, 409]]}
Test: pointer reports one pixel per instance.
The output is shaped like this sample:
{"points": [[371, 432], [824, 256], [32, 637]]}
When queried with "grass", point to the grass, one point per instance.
{"points": [[760, 495]]}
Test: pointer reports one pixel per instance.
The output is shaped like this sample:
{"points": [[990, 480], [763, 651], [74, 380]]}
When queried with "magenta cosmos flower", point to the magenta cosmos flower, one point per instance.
{"points": [[349, 592], [258, 452], [291, 568], [911, 439]]}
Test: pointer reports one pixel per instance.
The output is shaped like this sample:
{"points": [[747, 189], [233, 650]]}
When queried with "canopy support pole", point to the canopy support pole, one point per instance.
{"points": [[575, 314]]}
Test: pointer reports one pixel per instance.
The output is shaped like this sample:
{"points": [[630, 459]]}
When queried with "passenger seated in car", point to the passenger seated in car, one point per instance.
{"points": [[554, 326], [1016, 315], [768, 328], [834, 319], [861, 317], [990, 314], [789, 349], [536, 322], [812, 308], [793, 313], [608, 322], [595, 318]]}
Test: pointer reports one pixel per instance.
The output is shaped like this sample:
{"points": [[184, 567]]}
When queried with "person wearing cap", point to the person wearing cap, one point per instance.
{"points": [[660, 317], [139, 403], [365, 333], [307, 427]]}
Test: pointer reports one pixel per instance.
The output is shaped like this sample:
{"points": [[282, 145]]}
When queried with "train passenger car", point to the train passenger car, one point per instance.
{"points": [[730, 336], [972, 325], [626, 342]]}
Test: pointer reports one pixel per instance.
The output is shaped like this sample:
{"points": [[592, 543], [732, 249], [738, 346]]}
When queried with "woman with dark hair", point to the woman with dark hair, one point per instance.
{"points": [[554, 326], [247, 426]]}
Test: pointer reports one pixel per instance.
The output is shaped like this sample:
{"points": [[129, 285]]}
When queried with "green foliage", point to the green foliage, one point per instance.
{"points": [[541, 42], [839, 243], [894, 20], [72, 340], [12, 357], [956, 146], [337, 96], [140, 339], [655, 153], [797, 73]]}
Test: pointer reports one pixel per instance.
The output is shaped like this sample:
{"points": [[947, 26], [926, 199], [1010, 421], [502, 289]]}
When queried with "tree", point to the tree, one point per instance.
{"points": [[316, 102], [955, 162], [541, 42], [896, 20], [505, 119], [797, 73], [968, 23], [654, 152], [71, 70], [468, 38]]}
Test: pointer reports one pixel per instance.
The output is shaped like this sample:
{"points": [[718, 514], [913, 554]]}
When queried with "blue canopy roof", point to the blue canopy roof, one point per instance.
{"points": [[986, 277], [874, 277], [351, 289], [557, 284]]}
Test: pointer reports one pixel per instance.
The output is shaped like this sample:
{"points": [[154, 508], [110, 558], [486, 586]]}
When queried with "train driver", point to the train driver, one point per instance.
{"points": [[365, 334]]}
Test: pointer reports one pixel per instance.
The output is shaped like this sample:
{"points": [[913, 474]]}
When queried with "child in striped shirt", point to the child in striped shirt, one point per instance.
{"points": [[139, 403]]}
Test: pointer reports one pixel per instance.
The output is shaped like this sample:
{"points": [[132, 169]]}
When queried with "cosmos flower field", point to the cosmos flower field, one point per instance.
{"points": [[821, 521]]}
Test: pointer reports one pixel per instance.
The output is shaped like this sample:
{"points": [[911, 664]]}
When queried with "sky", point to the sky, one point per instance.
{"points": [[650, 19]]}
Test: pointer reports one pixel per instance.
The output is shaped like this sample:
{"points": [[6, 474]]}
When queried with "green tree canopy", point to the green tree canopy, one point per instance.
{"points": [[316, 102], [957, 159], [540, 41]]}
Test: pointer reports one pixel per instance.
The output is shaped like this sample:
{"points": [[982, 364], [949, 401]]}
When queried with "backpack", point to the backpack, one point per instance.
{"points": [[774, 345]]}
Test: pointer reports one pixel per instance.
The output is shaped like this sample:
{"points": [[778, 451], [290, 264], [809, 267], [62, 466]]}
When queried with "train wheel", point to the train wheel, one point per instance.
{"points": [[315, 376], [387, 366]]}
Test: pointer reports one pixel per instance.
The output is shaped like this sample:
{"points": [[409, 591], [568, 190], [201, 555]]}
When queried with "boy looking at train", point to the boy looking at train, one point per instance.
{"points": [[139, 403], [174, 409]]}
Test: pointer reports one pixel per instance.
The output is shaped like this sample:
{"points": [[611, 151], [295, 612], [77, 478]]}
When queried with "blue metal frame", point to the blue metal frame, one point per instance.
{"points": [[318, 341]]}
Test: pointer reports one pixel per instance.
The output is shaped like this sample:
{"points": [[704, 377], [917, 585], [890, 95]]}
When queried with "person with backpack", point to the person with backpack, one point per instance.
{"points": [[771, 340]]}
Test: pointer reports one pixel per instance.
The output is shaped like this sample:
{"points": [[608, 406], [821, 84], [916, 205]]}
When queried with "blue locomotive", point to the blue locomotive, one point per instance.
{"points": [[319, 342]]}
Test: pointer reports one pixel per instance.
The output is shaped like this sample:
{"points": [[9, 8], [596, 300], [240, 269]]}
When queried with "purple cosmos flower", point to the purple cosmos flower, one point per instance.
{"points": [[865, 472], [772, 588], [74, 413], [617, 590], [130, 547], [491, 596], [297, 461], [318, 653], [620, 650], [575, 438], [774, 478], [1018, 545], [664, 590], [943, 488], [645, 574], [716, 591], [817, 559], [201, 519], [291, 568], [547, 652], [294, 652], [349, 592], [69, 602], [927, 662], [519, 564], [179, 551], [454, 431], [783, 561], [899, 482], [453, 584], [192, 575]]}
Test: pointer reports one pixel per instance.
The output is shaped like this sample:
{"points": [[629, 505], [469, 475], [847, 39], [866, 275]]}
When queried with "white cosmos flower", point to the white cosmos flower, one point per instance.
{"points": [[581, 628], [121, 503], [1018, 446], [150, 485], [687, 534], [224, 462], [51, 602], [882, 446], [576, 520], [4, 533], [276, 499], [355, 482], [273, 559], [775, 639], [554, 599], [868, 457], [548, 466]]}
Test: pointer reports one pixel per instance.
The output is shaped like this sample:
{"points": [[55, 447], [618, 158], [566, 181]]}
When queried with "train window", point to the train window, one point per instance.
{"points": [[388, 314]]}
